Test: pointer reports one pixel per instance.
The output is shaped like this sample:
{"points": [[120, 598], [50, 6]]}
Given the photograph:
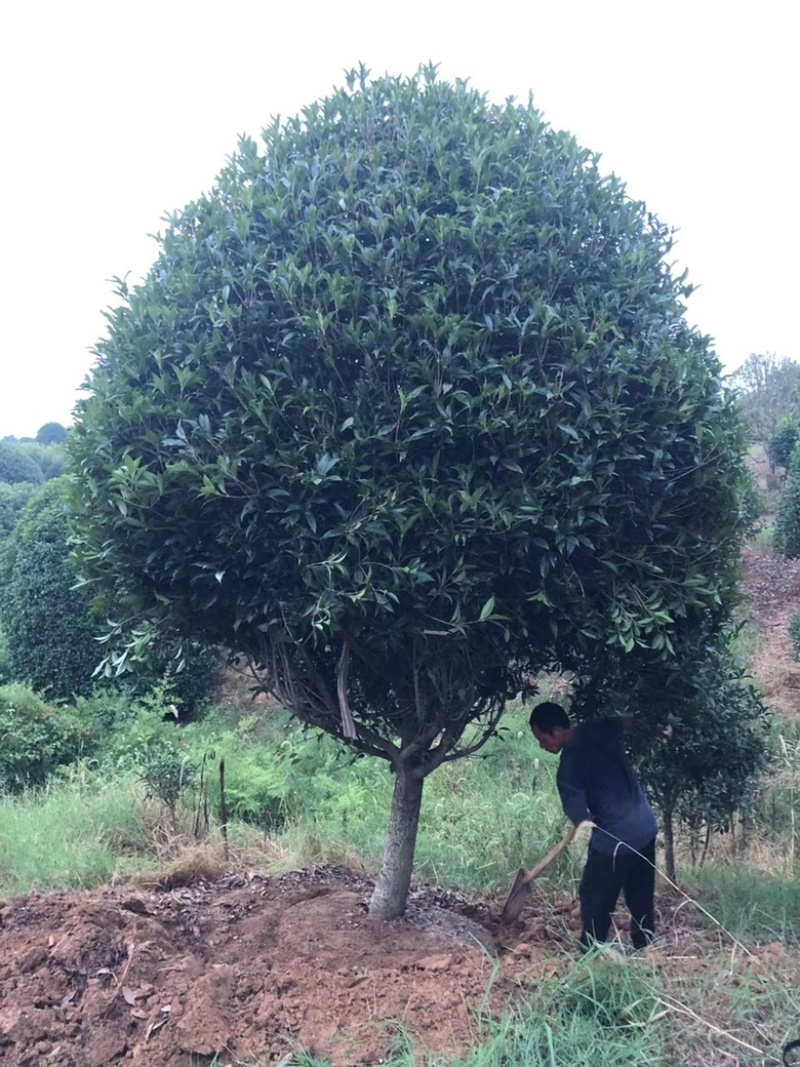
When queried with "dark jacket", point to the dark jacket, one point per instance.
{"points": [[596, 781]]}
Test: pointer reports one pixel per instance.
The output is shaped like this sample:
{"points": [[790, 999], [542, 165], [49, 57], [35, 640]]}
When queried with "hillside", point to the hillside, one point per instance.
{"points": [[211, 965]]}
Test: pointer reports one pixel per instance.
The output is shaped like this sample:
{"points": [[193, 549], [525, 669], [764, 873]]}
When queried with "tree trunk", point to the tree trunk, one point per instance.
{"points": [[391, 889], [669, 842]]}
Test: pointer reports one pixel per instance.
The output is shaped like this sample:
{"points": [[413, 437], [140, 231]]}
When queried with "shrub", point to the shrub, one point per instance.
{"points": [[13, 499], [752, 504], [167, 774], [36, 738], [17, 466], [782, 443], [50, 636], [794, 634], [787, 520]]}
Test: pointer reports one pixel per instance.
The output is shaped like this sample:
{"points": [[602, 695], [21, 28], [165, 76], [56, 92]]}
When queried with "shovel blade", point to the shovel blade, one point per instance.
{"points": [[520, 892]]}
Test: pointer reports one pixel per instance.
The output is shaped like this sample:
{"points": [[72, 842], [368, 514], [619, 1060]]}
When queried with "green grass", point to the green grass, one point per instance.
{"points": [[753, 906], [766, 536], [67, 836], [531, 1039], [482, 818]]}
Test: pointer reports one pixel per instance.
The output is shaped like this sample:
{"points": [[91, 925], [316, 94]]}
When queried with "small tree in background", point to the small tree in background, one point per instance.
{"points": [[17, 466], [769, 392], [406, 411], [51, 641], [752, 504], [50, 459], [50, 637], [712, 766], [787, 519], [52, 433], [781, 444], [13, 499]]}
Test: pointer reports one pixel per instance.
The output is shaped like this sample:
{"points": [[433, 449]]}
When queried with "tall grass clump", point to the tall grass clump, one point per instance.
{"points": [[752, 906], [533, 1038], [71, 835]]}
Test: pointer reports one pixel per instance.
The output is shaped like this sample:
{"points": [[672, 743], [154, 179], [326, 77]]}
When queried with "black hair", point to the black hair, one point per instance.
{"points": [[548, 716]]}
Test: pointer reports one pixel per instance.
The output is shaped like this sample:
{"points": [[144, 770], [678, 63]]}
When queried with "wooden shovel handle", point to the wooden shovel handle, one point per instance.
{"points": [[534, 872]]}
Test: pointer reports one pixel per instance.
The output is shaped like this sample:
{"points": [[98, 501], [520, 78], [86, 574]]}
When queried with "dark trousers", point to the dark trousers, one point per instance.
{"points": [[603, 878]]}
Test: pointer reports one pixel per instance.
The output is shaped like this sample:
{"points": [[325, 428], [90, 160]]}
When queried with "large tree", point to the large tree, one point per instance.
{"points": [[406, 410]]}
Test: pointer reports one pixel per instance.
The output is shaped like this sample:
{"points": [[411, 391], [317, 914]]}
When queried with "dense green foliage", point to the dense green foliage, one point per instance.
{"points": [[51, 640], [50, 459], [787, 519], [16, 465], [409, 403], [781, 444], [36, 738], [719, 750], [13, 499], [752, 505], [52, 433]]}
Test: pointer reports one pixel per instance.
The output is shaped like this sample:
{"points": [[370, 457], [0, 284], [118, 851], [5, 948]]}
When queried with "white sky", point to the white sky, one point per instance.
{"points": [[113, 114]]}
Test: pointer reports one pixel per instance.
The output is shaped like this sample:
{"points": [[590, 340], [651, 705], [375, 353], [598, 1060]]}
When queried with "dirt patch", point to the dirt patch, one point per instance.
{"points": [[772, 587], [249, 968]]}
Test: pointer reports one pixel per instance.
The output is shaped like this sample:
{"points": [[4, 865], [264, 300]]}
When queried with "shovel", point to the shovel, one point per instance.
{"points": [[521, 889]]}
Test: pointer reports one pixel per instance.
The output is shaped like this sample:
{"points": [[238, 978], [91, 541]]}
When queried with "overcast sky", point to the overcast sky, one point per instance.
{"points": [[113, 114]]}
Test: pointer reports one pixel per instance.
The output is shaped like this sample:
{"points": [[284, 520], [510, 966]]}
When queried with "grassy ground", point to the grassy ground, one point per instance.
{"points": [[728, 999]]}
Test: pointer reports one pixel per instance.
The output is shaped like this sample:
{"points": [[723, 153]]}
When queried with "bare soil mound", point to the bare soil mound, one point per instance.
{"points": [[249, 967]]}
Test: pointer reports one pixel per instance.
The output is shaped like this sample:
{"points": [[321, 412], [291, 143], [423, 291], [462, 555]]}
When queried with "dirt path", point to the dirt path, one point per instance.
{"points": [[772, 588]]}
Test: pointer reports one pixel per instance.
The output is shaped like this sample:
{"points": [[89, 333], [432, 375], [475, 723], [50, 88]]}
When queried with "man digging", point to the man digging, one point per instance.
{"points": [[596, 782]]}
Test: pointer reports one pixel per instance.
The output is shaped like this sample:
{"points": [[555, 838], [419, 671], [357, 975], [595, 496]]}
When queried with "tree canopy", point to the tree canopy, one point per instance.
{"points": [[406, 410], [51, 433], [16, 465]]}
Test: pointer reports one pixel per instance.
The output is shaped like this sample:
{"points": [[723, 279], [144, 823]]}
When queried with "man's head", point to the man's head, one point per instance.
{"points": [[551, 726]]}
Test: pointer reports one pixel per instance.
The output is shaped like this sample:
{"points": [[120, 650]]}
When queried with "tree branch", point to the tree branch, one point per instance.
{"points": [[348, 726]]}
